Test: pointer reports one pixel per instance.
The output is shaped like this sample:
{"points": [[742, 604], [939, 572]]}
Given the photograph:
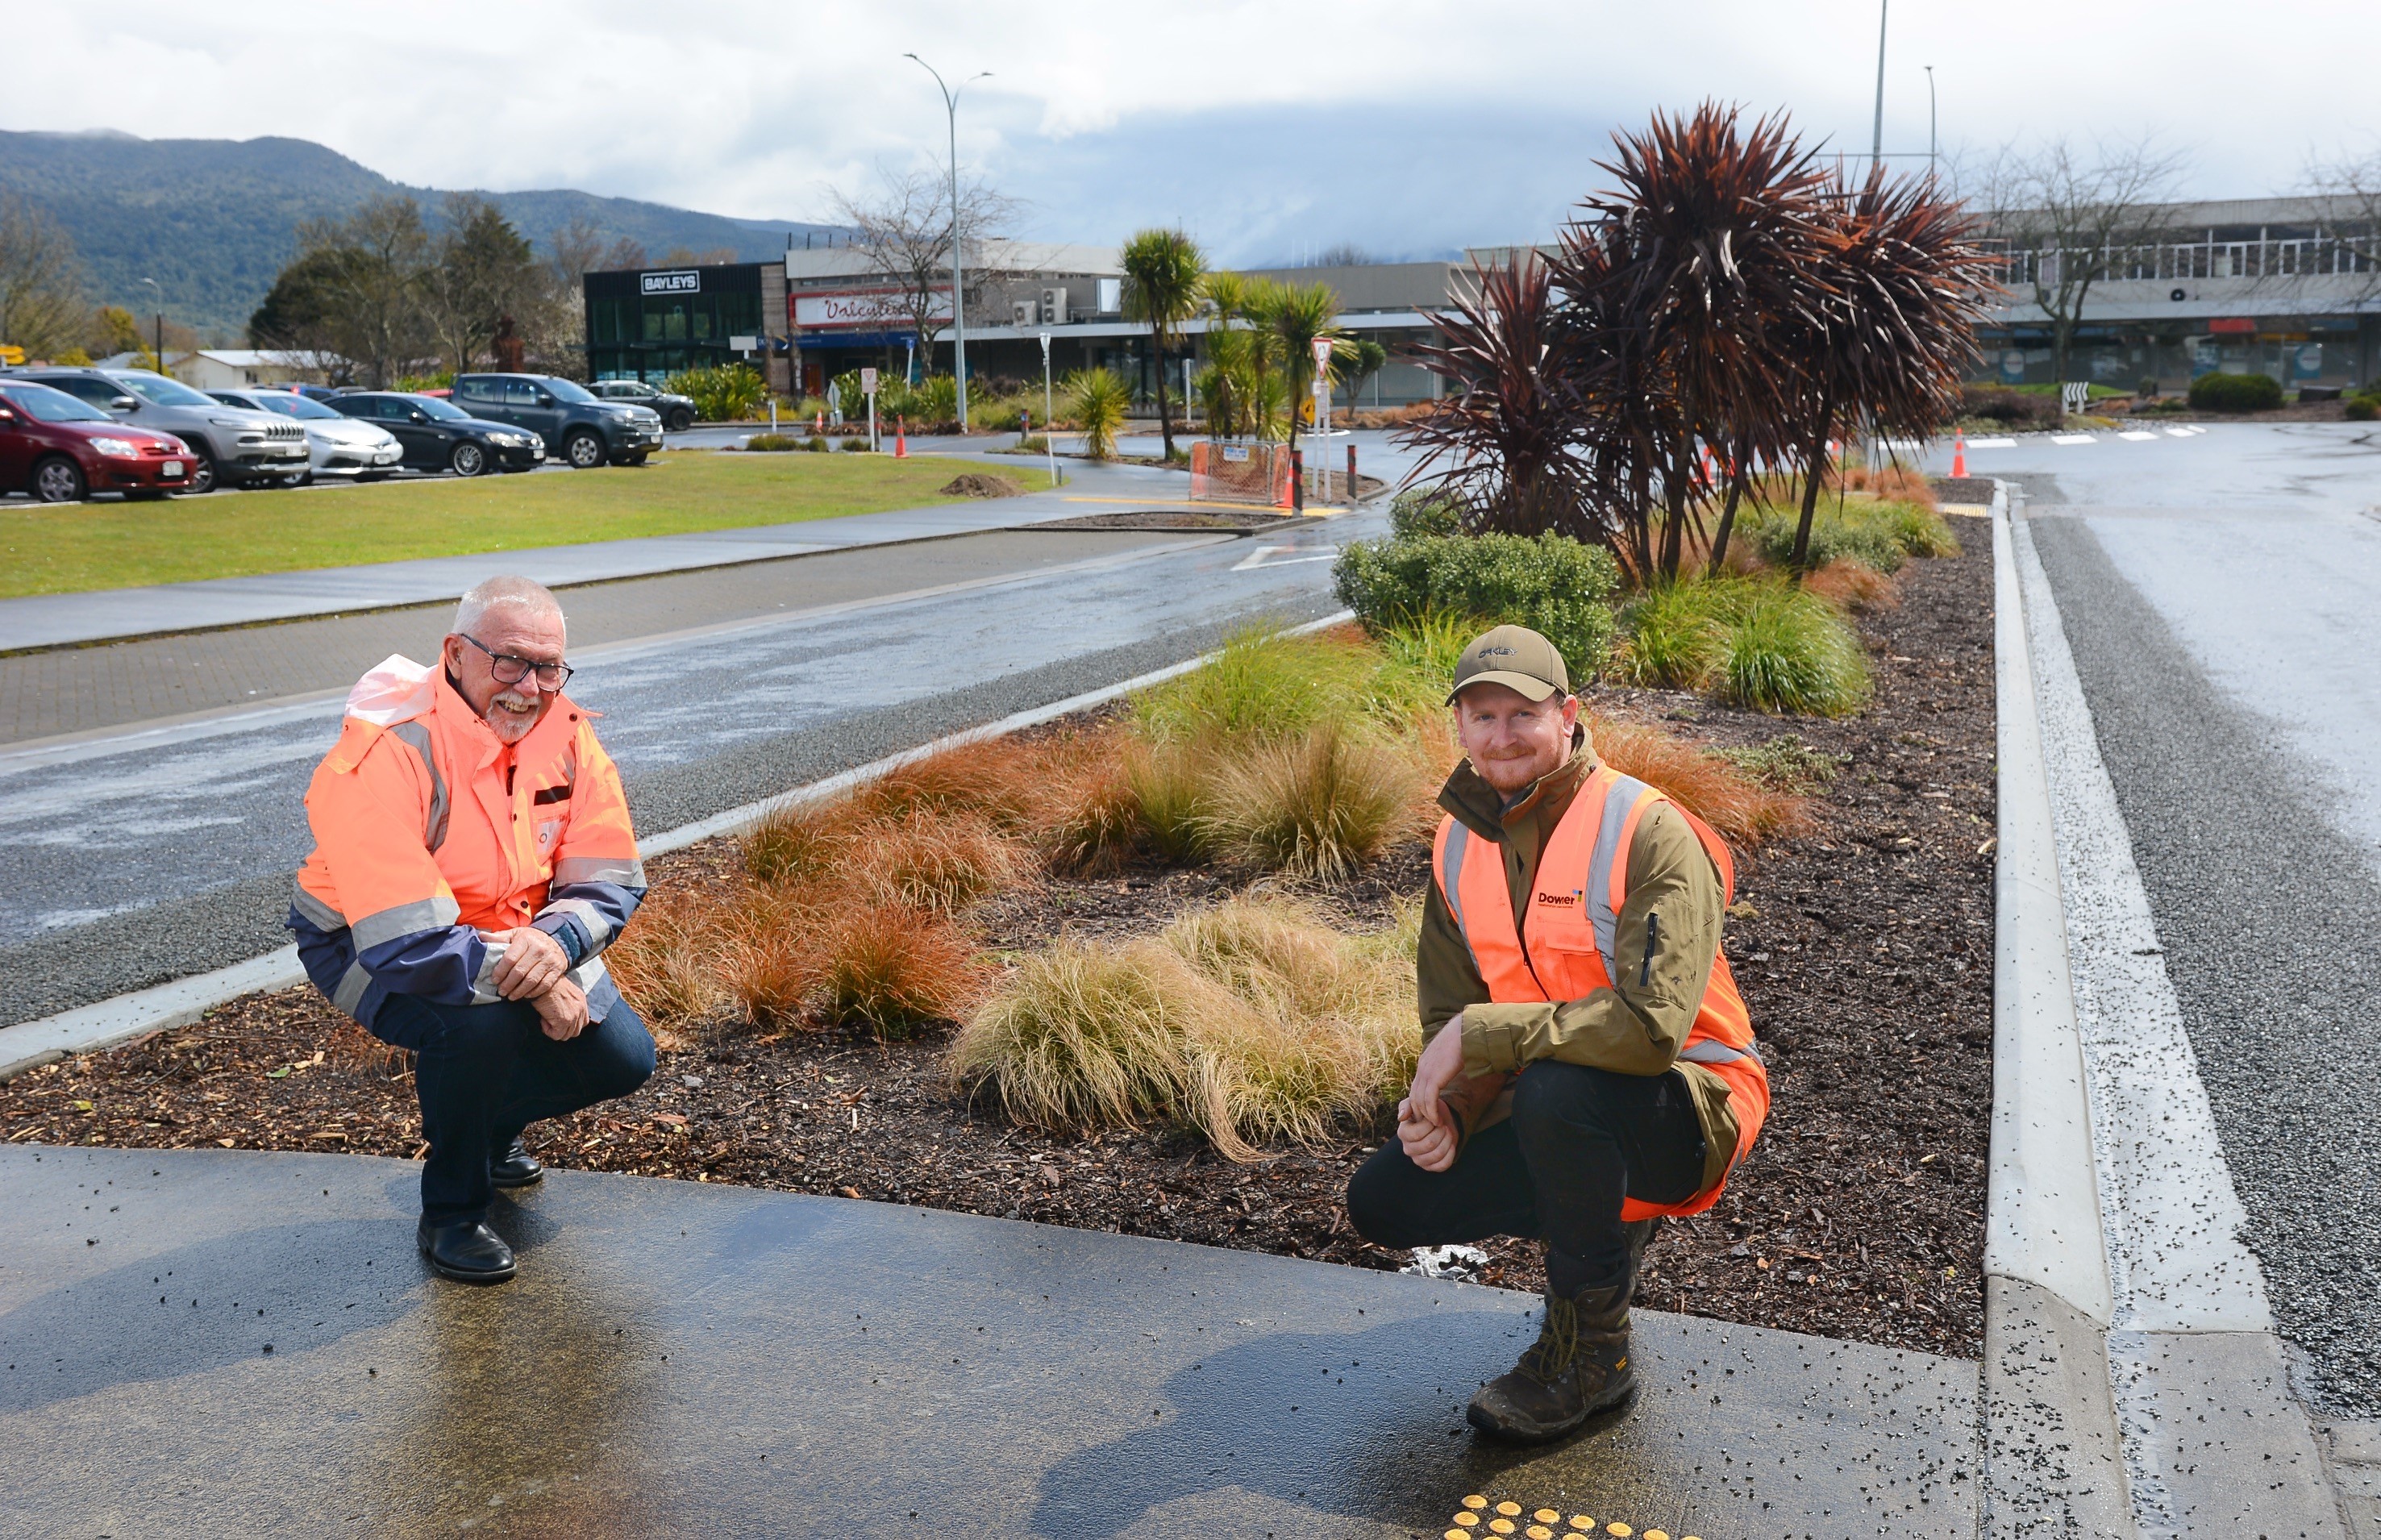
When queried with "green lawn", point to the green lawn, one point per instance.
{"points": [[48, 549]]}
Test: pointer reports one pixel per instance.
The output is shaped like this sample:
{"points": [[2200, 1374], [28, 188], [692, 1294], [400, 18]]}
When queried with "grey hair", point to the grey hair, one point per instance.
{"points": [[505, 592]]}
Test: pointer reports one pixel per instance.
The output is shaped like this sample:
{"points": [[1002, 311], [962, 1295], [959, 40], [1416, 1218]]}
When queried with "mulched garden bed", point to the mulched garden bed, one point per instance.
{"points": [[1863, 948]]}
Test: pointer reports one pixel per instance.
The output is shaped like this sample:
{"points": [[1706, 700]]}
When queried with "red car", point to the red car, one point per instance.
{"points": [[62, 451]]}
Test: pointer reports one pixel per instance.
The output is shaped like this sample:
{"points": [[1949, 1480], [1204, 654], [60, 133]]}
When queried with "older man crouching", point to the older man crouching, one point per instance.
{"points": [[472, 857]]}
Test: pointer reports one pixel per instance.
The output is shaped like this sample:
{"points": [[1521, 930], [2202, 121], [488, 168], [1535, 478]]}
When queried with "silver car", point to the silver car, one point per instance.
{"points": [[337, 446]]}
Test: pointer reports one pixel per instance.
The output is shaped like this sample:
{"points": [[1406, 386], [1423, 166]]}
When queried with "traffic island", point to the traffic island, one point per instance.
{"points": [[206, 1340]]}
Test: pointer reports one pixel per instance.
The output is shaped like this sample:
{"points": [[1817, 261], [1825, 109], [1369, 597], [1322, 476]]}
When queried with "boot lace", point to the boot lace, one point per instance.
{"points": [[1551, 1355]]}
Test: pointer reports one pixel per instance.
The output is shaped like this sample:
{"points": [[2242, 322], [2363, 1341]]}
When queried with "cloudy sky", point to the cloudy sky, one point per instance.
{"points": [[1407, 127]]}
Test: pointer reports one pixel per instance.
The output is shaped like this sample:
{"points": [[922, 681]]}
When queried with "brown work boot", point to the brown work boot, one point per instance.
{"points": [[1578, 1366]]}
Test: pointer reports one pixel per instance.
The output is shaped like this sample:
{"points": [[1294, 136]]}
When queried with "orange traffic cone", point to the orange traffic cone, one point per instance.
{"points": [[1711, 475], [1959, 456], [901, 439], [820, 426]]}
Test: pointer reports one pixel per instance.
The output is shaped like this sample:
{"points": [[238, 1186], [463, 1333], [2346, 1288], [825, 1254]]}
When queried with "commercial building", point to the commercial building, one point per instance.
{"points": [[237, 368], [2285, 287], [648, 323]]}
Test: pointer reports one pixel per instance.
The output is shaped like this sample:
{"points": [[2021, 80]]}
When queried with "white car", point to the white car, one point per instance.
{"points": [[337, 446]]}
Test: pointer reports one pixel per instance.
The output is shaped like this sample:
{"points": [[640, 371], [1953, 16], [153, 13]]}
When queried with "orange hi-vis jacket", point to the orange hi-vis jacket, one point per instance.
{"points": [[433, 838], [1581, 883]]}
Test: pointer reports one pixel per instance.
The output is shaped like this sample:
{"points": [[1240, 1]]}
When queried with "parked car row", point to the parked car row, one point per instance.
{"points": [[66, 434]]}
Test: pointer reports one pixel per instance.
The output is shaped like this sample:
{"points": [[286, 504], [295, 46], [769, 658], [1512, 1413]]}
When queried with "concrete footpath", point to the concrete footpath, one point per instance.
{"points": [[222, 1341], [75, 619]]}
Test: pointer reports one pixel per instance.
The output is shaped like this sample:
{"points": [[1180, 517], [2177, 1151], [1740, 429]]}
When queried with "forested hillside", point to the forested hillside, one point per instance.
{"points": [[214, 220]]}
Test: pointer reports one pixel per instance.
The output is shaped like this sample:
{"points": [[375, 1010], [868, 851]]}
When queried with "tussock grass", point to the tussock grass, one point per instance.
{"points": [[795, 842], [1319, 805], [768, 959], [1258, 685], [665, 961], [1854, 586], [935, 861], [1002, 781], [891, 967], [1757, 642], [1250, 1021], [1733, 800]]}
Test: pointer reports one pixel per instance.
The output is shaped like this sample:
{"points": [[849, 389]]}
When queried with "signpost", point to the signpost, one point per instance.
{"points": [[868, 388], [1049, 438]]}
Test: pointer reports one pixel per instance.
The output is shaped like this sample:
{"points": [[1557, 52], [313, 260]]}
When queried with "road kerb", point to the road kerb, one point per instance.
{"points": [[126, 1018], [2054, 1460]]}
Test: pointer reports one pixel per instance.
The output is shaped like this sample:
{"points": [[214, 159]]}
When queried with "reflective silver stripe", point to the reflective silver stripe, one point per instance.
{"points": [[483, 993], [1617, 803], [317, 913], [433, 828], [349, 995], [1450, 870], [1709, 1050], [588, 974], [610, 869], [589, 918], [432, 914]]}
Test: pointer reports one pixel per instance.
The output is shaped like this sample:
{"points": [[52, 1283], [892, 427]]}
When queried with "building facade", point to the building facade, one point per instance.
{"points": [[649, 323]]}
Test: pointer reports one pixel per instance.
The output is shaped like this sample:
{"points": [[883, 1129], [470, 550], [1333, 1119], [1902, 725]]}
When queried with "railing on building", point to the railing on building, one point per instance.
{"points": [[2299, 258]]}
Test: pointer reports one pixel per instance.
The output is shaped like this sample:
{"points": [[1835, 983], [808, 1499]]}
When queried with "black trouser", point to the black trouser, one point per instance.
{"points": [[484, 1073], [1579, 1140]]}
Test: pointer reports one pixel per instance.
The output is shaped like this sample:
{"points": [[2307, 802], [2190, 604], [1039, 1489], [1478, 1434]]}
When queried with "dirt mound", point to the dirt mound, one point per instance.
{"points": [[976, 484]]}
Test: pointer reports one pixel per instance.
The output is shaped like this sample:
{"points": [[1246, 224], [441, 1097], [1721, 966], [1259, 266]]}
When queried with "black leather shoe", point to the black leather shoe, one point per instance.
{"points": [[467, 1253], [516, 1167]]}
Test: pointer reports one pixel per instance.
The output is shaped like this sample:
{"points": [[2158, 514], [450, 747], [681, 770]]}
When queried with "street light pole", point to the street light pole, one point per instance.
{"points": [[160, 321], [959, 294], [1876, 140], [1930, 120]]}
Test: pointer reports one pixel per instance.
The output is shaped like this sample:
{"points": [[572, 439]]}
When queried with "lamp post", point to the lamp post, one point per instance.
{"points": [[160, 321], [1930, 120], [958, 296], [1876, 140]]}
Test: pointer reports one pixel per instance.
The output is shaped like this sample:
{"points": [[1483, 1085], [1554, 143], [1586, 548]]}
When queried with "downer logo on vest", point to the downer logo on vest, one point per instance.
{"points": [[669, 283], [1562, 901]]}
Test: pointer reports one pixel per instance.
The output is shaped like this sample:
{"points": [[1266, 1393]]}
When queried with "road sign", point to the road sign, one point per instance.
{"points": [[868, 382]]}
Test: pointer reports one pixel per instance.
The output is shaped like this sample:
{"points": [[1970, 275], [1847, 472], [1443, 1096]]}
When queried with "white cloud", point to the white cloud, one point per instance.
{"points": [[1309, 120]]}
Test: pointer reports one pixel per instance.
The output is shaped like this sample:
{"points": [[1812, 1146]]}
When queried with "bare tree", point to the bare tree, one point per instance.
{"points": [[624, 255], [368, 278], [2069, 220], [2353, 185], [904, 229], [42, 305], [576, 251]]}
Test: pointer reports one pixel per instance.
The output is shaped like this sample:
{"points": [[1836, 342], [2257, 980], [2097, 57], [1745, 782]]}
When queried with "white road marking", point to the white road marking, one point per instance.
{"points": [[2073, 438], [1257, 558], [1992, 444], [2139, 435]]}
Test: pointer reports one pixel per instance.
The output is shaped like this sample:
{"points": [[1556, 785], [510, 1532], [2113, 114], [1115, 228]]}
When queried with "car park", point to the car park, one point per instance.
{"points": [[439, 436], [579, 430], [676, 413], [339, 448], [61, 449], [229, 445]]}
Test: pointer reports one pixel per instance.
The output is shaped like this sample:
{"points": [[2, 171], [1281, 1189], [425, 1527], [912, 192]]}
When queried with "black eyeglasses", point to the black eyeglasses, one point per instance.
{"points": [[511, 669]]}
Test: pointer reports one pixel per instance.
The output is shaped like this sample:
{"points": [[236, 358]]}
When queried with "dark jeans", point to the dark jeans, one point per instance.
{"points": [[1579, 1140], [486, 1072]]}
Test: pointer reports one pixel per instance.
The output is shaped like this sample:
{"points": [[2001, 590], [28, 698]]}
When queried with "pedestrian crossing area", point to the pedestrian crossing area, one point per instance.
{"points": [[2131, 435]]}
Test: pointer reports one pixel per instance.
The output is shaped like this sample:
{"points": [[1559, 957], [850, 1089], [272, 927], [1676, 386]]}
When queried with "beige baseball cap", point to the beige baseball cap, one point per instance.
{"points": [[1515, 658]]}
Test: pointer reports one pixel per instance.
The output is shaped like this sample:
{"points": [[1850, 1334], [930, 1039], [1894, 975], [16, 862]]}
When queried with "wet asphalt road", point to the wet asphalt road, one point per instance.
{"points": [[2220, 598], [133, 858]]}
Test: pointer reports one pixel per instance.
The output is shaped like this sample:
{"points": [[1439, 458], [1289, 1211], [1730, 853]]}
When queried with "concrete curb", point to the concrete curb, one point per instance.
{"points": [[2054, 1460], [126, 1018]]}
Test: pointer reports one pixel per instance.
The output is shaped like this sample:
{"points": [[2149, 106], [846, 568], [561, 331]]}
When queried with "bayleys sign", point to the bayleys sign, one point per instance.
{"points": [[684, 281]]}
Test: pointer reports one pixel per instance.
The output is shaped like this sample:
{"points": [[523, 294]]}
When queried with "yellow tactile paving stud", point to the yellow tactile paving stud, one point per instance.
{"points": [[1467, 1523]]}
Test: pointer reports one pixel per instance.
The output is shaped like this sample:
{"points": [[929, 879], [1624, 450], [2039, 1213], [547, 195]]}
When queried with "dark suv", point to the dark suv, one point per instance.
{"points": [[230, 445], [677, 411], [579, 430]]}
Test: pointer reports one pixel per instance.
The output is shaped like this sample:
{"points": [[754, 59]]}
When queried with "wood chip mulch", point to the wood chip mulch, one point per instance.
{"points": [[1863, 948]]}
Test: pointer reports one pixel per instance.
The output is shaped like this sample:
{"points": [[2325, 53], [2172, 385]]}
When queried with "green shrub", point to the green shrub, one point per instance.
{"points": [[1789, 651], [722, 393], [857, 445], [2362, 409], [816, 444], [2235, 393], [773, 444], [1759, 642], [1424, 512], [1556, 586], [1098, 399]]}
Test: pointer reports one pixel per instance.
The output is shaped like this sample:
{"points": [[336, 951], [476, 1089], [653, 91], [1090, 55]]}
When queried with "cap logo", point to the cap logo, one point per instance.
{"points": [[1494, 652]]}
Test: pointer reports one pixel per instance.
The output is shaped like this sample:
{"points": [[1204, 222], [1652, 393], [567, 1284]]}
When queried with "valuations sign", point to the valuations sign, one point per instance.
{"points": [[685, 281], [864, 308]]}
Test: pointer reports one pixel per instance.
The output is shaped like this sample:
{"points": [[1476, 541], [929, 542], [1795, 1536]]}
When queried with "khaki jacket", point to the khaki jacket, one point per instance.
{"points": [[1629, 1030]]}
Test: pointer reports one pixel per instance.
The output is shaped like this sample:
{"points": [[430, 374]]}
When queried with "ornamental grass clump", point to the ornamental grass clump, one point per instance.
{"points": [[940, 863], [1258, 685], [1319, 806], [894, 967], [1737, 804], [1250, 1021], [1789, 652]]}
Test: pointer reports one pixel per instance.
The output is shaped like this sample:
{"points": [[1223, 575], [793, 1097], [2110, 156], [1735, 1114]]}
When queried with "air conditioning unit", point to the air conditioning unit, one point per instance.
{"points": [[1024, 314], [1054, 307]]}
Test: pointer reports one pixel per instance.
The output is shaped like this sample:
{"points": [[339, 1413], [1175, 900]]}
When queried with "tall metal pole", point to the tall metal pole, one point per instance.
{"points": [[1930, 120], [1876, 140], [959, 293], [160, 321]]}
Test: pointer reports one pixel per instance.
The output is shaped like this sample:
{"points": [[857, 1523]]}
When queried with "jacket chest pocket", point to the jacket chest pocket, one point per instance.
{"points": [[548, 831], [1562, 947]]}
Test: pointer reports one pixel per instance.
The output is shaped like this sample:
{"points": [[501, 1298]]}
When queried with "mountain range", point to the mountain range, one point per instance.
{"points": [[214, 220]]}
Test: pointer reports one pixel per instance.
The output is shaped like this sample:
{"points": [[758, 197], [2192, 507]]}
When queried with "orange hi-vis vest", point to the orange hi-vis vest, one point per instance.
{"points": [[1567, 954]]}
